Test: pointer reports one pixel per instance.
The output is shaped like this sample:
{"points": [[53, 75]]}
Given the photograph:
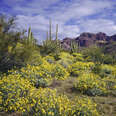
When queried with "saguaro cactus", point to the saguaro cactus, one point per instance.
{"points": [[50, 30], [30, 38], [0, 28], [74, 47], [50, 45]]}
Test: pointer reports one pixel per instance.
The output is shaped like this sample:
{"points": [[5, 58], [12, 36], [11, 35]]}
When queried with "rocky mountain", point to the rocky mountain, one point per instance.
{"points": [[88, 39]]}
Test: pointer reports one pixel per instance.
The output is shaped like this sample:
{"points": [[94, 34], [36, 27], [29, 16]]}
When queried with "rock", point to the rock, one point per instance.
{"points": [[87, 39]]}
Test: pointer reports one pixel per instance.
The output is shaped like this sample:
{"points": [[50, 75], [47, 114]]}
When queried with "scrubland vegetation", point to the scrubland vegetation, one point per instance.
{"points": [[45, 80]]}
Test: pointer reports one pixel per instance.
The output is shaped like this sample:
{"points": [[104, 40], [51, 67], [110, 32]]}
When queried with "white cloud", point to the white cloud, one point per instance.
{"points": [[99, 25], [80, 9], [62, 13], [40, 26], [34, 6]]}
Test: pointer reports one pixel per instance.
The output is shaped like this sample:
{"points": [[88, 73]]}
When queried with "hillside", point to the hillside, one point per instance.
{"points": [[49, 80], [88, 39]]}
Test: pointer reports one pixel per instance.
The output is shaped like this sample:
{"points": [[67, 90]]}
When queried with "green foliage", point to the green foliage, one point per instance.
{"points": [[108, 71], [14, 93], [59, 72], [50, 45], [8, 41], [65, 59], [49, 59], [16, 49], [94, 53], [17, 95], [91, 84], [74, 47], [110, 53], [26, 89], [80, 67], [6, 24], [78, 57], [42, 75]]}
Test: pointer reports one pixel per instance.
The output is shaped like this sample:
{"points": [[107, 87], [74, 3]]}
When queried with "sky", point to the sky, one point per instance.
{"points": [[72, 16]]}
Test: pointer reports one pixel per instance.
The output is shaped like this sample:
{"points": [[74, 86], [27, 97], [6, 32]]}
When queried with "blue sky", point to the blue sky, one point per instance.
{"points": [[73, 16]]}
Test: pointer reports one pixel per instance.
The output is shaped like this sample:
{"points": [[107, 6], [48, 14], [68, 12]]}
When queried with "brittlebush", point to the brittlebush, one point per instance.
{"points": [[14, 93], [91, 84], [42, 75], [80, 67], [18, 95]]}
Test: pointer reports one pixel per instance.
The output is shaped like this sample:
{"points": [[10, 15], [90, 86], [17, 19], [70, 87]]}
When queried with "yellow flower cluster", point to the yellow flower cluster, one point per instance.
{"points": [[78, 57], [46, 70], [108, 71], [65, 59], [85, 107], [49, 59], [79, 67], [64, 55], [49, 104], [91, 84], [42, 75], [18, 95], [14, 92], [110, 82], [59, 72]]}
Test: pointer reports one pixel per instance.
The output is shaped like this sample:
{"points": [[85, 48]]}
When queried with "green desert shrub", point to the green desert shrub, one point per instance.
{"points": [[42, 75], [14, 93], [47, 102], [91, 84], [78, 57], [17, 95], [80, 67], [49, 59], [38, 75], [108, 71], [59, 72]]}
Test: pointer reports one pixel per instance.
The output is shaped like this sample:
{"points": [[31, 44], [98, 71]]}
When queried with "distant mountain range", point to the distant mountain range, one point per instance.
{"points": [[87, 39]]}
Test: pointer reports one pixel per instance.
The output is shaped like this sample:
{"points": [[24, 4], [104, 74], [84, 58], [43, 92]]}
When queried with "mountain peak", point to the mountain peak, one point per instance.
{"points": [[87, 39]]}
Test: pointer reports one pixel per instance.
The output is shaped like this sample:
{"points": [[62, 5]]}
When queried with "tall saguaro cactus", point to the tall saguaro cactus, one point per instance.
{"points": [[50, 45], [0, 28], [29, 35], [30, 38], [50, 30], [57, 32], [58, 45]]}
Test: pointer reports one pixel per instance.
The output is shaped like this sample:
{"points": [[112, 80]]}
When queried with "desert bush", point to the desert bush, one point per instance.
{"points": [[110, 83], [38, 75], [19, 96], [41, 75], [59, 72], [91, 84], [46, 102], [49, 59], [66, 55], [64, 63], [108, 71], [14, 93], [78, 57], [84, 107], [79, 67], [94, 53], [65, 59]]}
